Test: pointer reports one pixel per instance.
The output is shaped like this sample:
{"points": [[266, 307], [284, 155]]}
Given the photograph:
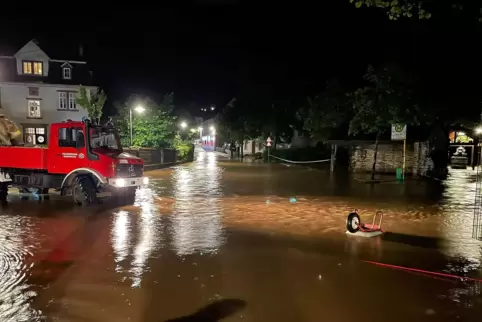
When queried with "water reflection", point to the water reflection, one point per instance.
{"points": [[15, 293], [120, 237], [457, 209], [149, 232], [196, 219]]}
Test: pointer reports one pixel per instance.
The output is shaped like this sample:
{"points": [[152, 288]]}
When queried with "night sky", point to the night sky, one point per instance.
{"points": [[207, 51]]}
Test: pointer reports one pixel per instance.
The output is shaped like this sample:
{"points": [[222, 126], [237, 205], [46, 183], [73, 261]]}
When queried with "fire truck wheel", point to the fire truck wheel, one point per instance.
{"points": [[3, 191], [83, 190], [353, 222]]}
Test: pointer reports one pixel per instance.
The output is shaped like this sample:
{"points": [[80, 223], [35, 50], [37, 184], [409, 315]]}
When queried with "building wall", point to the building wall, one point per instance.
{"points": [[390, 157], [14, 99], [14, 102]]}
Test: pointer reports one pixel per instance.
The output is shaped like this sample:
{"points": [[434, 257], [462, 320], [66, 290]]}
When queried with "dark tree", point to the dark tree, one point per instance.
{"points": [[386, 98]]}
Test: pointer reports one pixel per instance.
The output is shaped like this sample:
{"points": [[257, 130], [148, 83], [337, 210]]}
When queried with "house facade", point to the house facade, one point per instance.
{"points": [[38, 89]]}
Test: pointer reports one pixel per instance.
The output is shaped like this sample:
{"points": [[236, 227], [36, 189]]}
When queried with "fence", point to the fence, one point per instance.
{"points": [[154, 156]]}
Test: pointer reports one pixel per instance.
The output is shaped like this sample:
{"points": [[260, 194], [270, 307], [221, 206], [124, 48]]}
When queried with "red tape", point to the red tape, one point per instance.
{"points": [[423, 271]]}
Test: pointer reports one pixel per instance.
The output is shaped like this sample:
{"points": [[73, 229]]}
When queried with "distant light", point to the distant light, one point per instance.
{"points": [[193, 130], [183, 125], [139, 109], [213, 108], [211, 128], [478, 130], [461, 133]]}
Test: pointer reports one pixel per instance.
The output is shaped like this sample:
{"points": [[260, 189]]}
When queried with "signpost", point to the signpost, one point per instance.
{"points": [[268, 145], [399, 133]]}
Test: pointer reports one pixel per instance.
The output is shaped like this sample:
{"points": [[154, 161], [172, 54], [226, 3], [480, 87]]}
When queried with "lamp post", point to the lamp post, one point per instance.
{"points": [[138, 109]]}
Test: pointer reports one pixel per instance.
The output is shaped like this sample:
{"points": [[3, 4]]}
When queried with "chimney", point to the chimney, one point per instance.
{"points": [[81, 51]]}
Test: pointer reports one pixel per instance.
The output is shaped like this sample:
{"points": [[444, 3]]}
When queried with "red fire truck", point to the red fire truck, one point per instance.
{"points": [[81, 160]]}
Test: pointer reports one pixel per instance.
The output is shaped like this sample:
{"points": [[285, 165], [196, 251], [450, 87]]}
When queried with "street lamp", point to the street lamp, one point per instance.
{"points": [[478, 130], [183, 125], [139, 109]]}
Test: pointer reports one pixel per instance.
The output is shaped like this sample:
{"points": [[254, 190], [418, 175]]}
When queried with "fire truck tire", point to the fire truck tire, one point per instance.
{"points": [[84, 191], [3, 191]]}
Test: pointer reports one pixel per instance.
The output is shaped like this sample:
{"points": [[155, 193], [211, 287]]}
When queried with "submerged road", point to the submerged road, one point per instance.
{"points": [[244, 241]]}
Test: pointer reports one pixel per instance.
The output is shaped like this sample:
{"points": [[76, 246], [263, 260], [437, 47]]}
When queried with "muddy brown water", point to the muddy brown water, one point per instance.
{"points": [[218, 239]]}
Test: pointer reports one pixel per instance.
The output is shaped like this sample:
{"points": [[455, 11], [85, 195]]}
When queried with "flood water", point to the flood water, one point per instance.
{"points": [[245, 241]]}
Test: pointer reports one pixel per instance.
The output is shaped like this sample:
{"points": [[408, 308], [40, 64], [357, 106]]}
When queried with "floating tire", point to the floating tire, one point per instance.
{"points": [[353, 222], [84, 191]]}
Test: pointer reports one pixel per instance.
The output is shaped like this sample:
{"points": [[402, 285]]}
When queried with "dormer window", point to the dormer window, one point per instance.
{"points": [[32, 68], [66, 73]]}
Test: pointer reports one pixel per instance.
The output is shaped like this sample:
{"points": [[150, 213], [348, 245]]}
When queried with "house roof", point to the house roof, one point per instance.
{"points": [[54, 49], [59, 54], [81, 75]]}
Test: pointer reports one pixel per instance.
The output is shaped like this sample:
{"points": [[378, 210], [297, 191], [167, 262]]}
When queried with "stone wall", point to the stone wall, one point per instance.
{"points": [[390, 157]]}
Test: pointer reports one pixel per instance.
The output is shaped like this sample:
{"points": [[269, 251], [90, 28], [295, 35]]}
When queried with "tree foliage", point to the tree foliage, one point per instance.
{"points": [[396, 9], [155, 127], [386, 98], [325, 112], [236, 123], [93, 102]]}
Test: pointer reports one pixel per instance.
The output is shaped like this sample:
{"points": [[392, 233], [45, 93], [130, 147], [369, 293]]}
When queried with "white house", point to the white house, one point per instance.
{"points": [[38, 88]]}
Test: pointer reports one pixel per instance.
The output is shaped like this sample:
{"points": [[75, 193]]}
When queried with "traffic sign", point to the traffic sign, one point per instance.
{"points": [[268, 140], [268, 143], [399, 132]]}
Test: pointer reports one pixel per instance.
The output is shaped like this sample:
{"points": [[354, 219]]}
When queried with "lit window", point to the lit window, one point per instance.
{"points": [[72, 103], [30, 130], [62, 100], [27, 67], [66, 73], [33, 67], [34, 109], [40, 130], [37, 68]]}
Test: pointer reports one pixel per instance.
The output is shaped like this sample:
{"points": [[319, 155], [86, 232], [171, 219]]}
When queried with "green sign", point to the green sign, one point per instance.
{"points": [[399, 132]]}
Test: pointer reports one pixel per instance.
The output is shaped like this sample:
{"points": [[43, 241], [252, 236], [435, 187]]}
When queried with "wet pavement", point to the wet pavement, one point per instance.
{"points": [[245, 241]]}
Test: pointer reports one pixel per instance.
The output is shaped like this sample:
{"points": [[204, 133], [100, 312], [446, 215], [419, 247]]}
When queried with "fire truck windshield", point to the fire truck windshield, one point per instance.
{"points": [[104, 138]]}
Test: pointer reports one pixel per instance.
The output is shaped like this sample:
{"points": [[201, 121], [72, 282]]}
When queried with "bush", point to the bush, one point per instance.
{"points": [[298, 154], [184, 148]]}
